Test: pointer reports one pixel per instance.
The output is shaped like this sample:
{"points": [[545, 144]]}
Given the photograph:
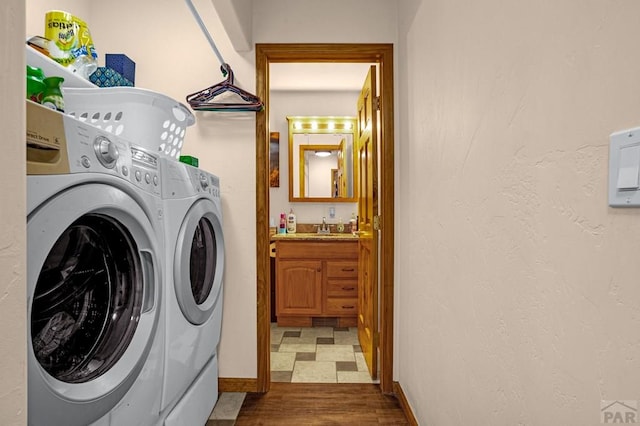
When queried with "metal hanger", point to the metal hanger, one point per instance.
{"points": [[204, 100]]}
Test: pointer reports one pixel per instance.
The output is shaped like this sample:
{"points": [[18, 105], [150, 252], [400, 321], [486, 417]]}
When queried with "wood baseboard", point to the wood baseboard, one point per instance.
{"points": [[397, 390], [230, 384]]}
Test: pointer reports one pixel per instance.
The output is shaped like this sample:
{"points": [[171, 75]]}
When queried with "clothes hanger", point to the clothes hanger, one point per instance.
{"points": [[203, 100]]}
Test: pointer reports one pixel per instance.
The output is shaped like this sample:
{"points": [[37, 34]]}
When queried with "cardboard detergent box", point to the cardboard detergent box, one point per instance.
{"points": [[108, 77], [122, 64], [45, 127], [46, 140]]}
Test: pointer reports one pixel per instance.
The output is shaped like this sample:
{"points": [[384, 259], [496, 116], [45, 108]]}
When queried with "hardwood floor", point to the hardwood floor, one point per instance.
{"points": [[321, 404]]}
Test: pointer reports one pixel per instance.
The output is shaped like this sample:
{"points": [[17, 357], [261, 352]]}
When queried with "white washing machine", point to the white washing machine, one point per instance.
{"points": [[94, 279], [194, 292]]}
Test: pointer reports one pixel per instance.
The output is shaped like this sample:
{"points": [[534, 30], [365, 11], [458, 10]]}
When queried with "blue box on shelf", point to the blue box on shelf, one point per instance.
{"points": [[107, 77], [123, 64]]}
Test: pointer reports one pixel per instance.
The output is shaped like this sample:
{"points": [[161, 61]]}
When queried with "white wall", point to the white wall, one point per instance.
{"points": [[37, 9], [13, 366], [327, 21], [519, 286]]}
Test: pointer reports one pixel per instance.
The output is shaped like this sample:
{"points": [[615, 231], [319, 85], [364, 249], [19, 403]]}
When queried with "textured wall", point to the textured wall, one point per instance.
{"points": [[518, 286], [13, 369]]}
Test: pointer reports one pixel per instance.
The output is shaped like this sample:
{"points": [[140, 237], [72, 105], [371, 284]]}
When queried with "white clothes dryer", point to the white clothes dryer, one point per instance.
{"points": [[94, 279], [194, 291]]}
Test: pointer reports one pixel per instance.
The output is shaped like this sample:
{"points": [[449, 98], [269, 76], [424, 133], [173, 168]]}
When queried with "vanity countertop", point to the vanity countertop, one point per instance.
{"points": [[314, 236]]}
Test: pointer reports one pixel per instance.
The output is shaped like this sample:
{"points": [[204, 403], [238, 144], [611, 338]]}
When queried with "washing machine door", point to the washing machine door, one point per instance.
{"points": [[93, 302], [199, 261]]}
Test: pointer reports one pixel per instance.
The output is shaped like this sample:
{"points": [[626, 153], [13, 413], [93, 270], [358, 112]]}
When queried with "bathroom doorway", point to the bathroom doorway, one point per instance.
{"points": [[382, 56]]}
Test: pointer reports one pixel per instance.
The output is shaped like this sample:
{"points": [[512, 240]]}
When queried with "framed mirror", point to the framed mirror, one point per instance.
{"points": [[322, 167]]}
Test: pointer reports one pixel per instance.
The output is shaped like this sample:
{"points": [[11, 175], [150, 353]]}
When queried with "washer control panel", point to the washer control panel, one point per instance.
{"points": [[91, 149], [144, 169], [204, 182]]}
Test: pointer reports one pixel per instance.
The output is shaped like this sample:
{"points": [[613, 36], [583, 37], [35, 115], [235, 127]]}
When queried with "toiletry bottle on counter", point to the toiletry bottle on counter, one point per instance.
{"points": [[291, 222], [353, 223], [283, 224]]}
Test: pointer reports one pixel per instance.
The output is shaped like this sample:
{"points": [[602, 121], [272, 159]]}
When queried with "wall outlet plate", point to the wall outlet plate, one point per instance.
{"points": [[624, 168]]}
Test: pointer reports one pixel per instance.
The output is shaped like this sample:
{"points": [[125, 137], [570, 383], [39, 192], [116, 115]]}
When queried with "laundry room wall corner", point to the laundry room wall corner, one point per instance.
{"points": [[13, 364]]}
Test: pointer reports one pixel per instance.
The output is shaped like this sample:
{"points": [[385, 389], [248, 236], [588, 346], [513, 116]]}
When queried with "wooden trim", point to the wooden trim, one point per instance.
{"points": [[322, 52], [262, 227], [386, 250], [230, 384], [406, 408]]}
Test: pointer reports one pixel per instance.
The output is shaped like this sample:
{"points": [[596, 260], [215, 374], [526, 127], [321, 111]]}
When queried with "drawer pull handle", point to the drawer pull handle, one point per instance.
{"points": [[348, 306], [348, 288], [348, 269]]}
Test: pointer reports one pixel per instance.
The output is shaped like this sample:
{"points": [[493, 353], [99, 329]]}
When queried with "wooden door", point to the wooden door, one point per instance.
{"points": [[367, 222]]}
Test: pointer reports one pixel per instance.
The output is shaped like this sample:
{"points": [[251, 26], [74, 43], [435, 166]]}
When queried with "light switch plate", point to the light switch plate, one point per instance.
{"points": [[624, 168]]}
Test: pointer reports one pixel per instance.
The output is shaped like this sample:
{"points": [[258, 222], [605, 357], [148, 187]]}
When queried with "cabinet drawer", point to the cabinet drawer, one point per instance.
{"points": [[342, 288], [342, 269], [317, 249], [342, 306]]}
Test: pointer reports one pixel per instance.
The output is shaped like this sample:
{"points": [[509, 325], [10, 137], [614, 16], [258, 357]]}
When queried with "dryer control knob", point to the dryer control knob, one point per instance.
{"points": [[204, 182], [106, 151]]}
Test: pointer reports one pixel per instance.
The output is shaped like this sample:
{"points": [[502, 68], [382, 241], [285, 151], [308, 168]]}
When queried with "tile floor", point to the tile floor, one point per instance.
{"points": [[303, 355], [317, 355], [226, 410]]}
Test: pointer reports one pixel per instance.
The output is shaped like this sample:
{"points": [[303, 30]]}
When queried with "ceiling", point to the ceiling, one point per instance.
{"points": [[317, 76]]}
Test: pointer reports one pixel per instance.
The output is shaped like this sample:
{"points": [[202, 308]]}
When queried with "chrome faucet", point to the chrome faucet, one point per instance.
{"points": [[324, 228]]}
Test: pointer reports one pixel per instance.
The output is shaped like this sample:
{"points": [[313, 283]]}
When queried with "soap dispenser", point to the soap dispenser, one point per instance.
{"points": [[291, 222]]}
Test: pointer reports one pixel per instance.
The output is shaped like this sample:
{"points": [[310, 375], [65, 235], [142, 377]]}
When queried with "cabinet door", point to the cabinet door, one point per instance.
{"points": [[299, 287]]}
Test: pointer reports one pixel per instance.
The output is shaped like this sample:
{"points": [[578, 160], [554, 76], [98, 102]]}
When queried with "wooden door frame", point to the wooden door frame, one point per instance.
{"points": [[382, 54]]}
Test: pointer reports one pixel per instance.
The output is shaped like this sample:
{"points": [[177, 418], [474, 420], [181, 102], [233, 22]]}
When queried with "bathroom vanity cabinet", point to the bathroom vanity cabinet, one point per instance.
{"points": [[316, 279]]}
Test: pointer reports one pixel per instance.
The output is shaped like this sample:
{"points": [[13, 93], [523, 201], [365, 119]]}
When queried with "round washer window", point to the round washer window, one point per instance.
{"points": [[202, 265], [87, 300]]}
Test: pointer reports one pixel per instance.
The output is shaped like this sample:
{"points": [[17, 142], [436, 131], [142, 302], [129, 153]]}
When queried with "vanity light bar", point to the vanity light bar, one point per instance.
{"points": [[326, 124]]}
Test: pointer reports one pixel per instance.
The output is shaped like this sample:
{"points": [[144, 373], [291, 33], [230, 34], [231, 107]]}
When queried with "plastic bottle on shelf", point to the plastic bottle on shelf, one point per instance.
{"points": [[35, 85], [291, 222], [52, 96]]}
